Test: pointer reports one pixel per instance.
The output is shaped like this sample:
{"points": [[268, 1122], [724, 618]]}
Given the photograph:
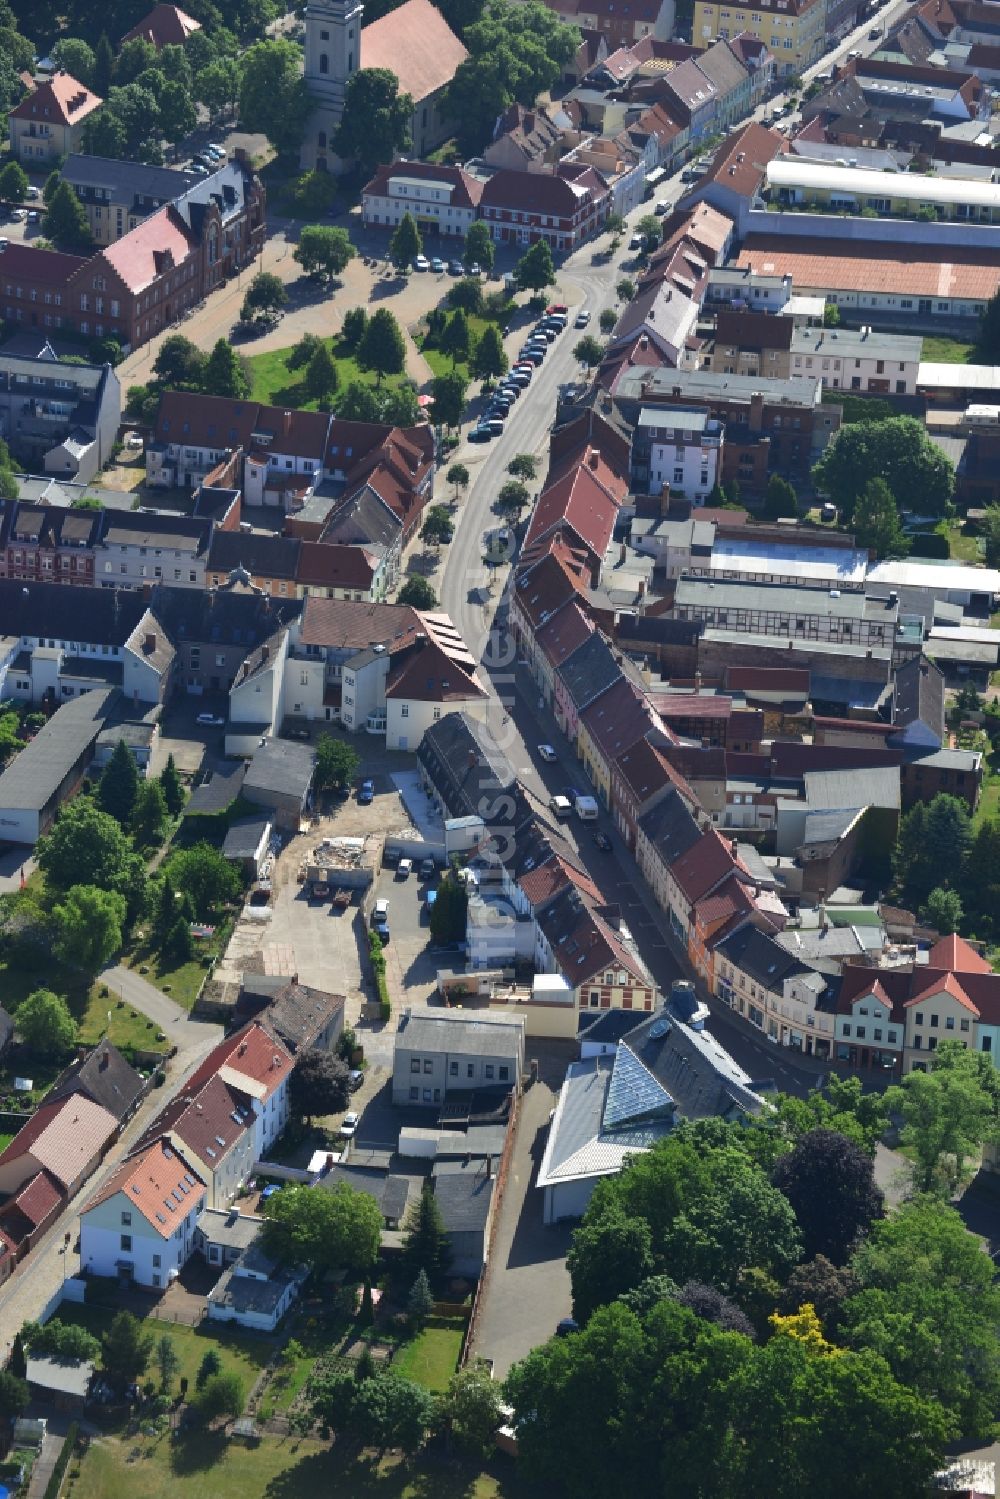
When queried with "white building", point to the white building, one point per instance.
{"points": [[858, 359], [254, 1291], [140, 1225], [255, 1064], [685, 451], [439, 198]]}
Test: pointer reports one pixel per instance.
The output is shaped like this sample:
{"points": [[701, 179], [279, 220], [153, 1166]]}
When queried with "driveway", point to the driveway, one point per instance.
{"points": [[527, 1289], [158, 1007]]}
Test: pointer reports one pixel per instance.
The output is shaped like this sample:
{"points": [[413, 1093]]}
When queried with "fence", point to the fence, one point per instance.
{"points": [[503, 1173]]}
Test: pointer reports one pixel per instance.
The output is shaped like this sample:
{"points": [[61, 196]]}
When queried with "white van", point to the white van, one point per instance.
{"points": [[380, 912], [561, 806], [587, 808]]}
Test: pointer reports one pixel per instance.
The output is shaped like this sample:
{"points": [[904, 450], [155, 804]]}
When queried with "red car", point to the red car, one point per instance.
{"points": [[559, 307]]}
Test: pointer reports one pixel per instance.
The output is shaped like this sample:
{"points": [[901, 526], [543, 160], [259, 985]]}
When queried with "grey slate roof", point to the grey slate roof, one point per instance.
{"points": [[438, 1031], [589, 671], [920, 695], [297, 1014], [833, 790], [229, 1227], [468, 768], [243, 1293], [701, 1077], [33, 778], [758, 955], [105, 1077], [218, 792], [670, 827], [244, 836], [281, 766], [463, 1194], [126, 179]]}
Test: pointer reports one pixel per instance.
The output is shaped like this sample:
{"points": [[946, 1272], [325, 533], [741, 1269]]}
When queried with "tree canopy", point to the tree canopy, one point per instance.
{"points": [[319, 1083], [830, 1183], [273, 95], [375, 127], [899, 452], [333, 1228]]}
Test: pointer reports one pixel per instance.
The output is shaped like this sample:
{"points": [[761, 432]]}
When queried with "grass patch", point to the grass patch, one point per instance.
{"points": [[165, 1470], [273, 383], [432, 1357], [962, 545], [241, 1353], [939, 350], [180, 982], [441, 364], [989, 802], [128, 1028]]}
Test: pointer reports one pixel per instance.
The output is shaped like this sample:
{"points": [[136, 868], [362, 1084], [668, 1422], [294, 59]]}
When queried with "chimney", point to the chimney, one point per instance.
{"points": [[471, 759], [642, 587], [623, 553], [756, 419], [734, 848], [595, 458], [489, 1167]]}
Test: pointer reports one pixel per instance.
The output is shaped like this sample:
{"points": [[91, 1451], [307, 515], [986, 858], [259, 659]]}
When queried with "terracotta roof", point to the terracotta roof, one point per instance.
{"points": [[579, 500], [465, 192], [563, 633], [63, 1137], [540, 885], [644, 770], [44, 267], [37, 1198], [344, 624], [62, 99], [955, 953], [896, 267], [767, 679], [741, 161], [158, 1183], [546, 582], [249, 1053], [948, 985], [155, 245], [539, 192], [617, 718], [703, 866], [721, 906], [328, 565], [211, 1121], [416, 43], [428, 674], [165, 26]]}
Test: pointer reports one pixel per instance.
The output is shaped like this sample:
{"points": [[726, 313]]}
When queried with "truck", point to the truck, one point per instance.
{"points": [[586, 808]]}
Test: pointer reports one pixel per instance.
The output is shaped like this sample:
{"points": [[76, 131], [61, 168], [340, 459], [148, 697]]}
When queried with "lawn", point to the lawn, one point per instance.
{"points": [[989, 801], [276, 385], [182, 982], [938, 350], [205, 1462], [241, 1353], [432, 1357], [127, 1027], [441, 364], [962, 546]]}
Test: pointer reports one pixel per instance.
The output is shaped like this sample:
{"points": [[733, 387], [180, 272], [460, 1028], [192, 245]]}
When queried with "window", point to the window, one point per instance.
{"points": [[878, 1034], [964, 1025], [428, 1065], [414, 1064], [404, 711], [470, 1070], [919, 1018], [860, 1032], [324, 63], [126, 1220], [453, 1069], [934, 1022], [504, 1074], [414, 1095], [126, 1243], [488, 1070], [156, 1259], [987, 1043], [949, 1022]]}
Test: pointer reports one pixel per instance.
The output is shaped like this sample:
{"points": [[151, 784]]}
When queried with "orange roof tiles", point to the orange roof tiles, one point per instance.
{"points": [[955, 953], [741, 160], [62, 100], [416, 43], [158, 1183], [250, 1053], [165, 26], [948, 985], [899, 269], [63, 1137]]}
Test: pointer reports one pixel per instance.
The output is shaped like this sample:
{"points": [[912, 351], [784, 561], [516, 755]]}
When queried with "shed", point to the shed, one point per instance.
{"points": [[246, 844], [463, 1190], [279, 777], [62, 1382]]}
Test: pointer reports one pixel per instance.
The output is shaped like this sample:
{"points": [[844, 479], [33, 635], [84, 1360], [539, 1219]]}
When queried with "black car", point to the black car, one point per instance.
{"points": [[603, 842], [570, 793], [480, 434]]}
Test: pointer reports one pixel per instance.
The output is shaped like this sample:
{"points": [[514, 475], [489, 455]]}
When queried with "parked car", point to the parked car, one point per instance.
{"points": [[547, 753], [350, 1124], [566, 1326], [421, 263], [210, 721], [495, 425], [582, 318], [366, 793], [382, 929], [426, 869], [404, 869], [19, 215], [355, 1078], [437, 264], [456, 268], [474, 269], [636, 242], [479, 433], [603, 842], [32, 191], [557, 309], [510, 387]]}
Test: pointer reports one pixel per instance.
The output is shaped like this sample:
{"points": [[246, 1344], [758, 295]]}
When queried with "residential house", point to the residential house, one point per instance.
{"points": [[117, 195], [222, 1234], [467, 774], [58, 418], [619, 28], [564, 208], [164, 26], [48, 123], [641, 777], [464, 1191], [438, 1054], [254, 1291], [104, 1077], [66, 1138], [441, 199], [794, 33], [43, 544], [663, 835], [218, 631], [549, 576], [776, 990], [524, 140], [28, 1213], [302, 1018], [256, 1064], [585, 941], [270, 562], [685, 450], [139, 1226], [434, 675], [212, 1128], [556, 640], [583, 677], [140, 548], [611, 724], [738, 171], [581, 503]]}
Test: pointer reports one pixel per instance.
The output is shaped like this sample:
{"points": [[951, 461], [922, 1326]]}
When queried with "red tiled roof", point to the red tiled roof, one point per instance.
{"points": [[542, 883], [644, 769], [428, 674], [539, 192], [618, 718], [578, 500], [948, 985], [63, 1137], [154, 246], [414, 42], [741, 161], [205, 1122], [545, 584], [44, 267], [62, 99], [165, 26], [343, 623], [955, 953], [897, 267], [329, 565], [250, 1052], [37, 1198], [563, 634], [158, 1183], [767, 679], [704, 865], [466, 191]]}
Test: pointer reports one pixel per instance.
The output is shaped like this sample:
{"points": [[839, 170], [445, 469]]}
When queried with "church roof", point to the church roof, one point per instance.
{"points": [[416, 43]]}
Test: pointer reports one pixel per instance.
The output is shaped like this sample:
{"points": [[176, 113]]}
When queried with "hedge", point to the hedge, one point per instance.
{"points": [[929, 544], [62, 1462]]}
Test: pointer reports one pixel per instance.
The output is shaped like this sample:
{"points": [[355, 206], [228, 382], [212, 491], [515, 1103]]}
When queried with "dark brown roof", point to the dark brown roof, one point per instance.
{"points": [[535, 192], [326, 564]]}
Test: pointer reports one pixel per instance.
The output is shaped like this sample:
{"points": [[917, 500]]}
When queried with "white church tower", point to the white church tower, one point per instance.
{"points": [[332, 54]]}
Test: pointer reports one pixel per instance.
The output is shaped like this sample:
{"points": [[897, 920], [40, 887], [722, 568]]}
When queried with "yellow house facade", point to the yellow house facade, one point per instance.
{"points": [[794, 30]]}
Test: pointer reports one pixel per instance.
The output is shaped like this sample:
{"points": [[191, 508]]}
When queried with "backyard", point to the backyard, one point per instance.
{"points": [[431, 1358], [938, 350], [275, 384]]}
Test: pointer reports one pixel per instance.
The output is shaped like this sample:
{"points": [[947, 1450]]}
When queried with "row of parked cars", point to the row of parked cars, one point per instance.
{"points": [[454, 267], [532, 355], [208, 159]]}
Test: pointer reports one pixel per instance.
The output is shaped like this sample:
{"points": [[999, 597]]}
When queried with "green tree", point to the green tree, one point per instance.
{"points": [[900, 452], [167, 1361], [265, 296], [217, 86], [467, 293], [390, 1411], [354, 325], [303, 351], [607, 320], [178, 115], [65, 222], [876, 521], [418, 593], [202, 873], [489, 359], [425, 1242], [988, 345], [382, 349], [52, 181], [471, 1408], [119, 785], [512, 498], [610, 1254], [333, 1228], [450, 911], [929, 1305], [319, 1084], [479, 247], [127, 1350], [830, 1183], [133, 58], [449, 393], [14, 182], [62, 1340], [45, 1024], [625, 289], [946, 1116], [438, 527], [273, 95], [324, 251], [13, 1396], [321, 377], [337, 762], [225, 374], [458, 477], [180, 364], [523, 465], [149, 815], [990, 528], [536, 269], [981, 877], [90, 924], [420, 1302], [780, 499], [588, 351], [221, 1395], [178, 943], [933, 836], [650, 228], [210, 1365], [944, 910], [104, 61], [314, 194], [375, 126], [454, 339], [172, 787], [406, 242]]}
